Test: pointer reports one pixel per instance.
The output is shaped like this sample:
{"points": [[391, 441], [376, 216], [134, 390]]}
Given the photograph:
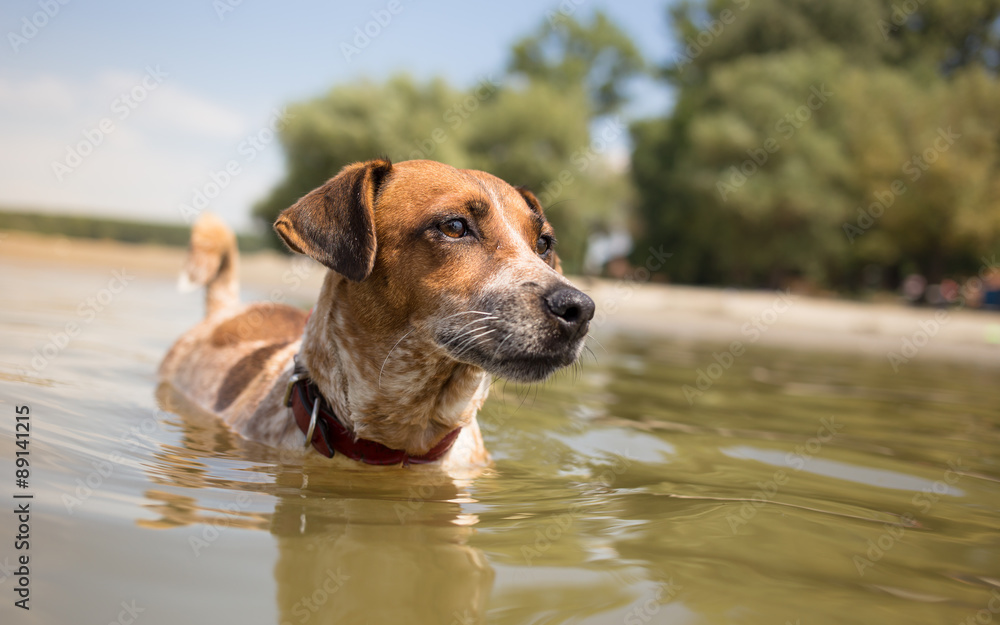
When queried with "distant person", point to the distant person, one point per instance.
{"points": [[603, 247], [913, 288], [991, 290], [972, 293], [949, 290]]}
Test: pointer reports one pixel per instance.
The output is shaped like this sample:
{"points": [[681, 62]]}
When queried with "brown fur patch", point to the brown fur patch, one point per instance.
{"points": [[261, 322], [242, 373], [374, 343]]}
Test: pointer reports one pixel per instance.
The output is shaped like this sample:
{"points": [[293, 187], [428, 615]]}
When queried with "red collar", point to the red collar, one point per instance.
{"points": [[330, 436]]}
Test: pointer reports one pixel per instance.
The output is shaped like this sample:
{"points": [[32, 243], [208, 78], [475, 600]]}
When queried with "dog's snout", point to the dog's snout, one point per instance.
{"points": [[571, 306]]}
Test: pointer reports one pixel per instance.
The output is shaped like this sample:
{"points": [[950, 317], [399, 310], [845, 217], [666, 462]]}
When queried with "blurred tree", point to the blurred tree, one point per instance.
{"points": [[722, 31], [946, 34], [360, 121], [804, 143], [569, 55], [556, 124], [943, 33], [538, 137], [535, 131]]}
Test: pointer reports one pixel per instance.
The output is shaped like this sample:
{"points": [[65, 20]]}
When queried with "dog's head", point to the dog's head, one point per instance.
{"points": [[459, 257]]}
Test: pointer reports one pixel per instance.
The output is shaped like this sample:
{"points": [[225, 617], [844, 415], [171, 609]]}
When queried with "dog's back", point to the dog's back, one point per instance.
{"points": [[221, 363]]}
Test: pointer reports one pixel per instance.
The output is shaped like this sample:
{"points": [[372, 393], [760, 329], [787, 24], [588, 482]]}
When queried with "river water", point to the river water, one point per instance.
{"points": [[801, 487]]}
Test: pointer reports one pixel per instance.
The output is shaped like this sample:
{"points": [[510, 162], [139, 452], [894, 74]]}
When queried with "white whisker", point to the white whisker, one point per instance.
{"points": [[467, 312], [591, 336], [389, 354], [481, 320], [472, 341], [462, 335], [497, 350]]}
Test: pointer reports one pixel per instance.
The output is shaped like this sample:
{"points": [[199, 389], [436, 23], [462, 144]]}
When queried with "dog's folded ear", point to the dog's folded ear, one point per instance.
{"points": [[335, 224]]}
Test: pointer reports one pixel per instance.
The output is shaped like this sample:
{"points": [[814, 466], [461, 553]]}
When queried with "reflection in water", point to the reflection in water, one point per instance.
{"points": [[371, 546], [890, 516], [613, 499], [420, 570]]}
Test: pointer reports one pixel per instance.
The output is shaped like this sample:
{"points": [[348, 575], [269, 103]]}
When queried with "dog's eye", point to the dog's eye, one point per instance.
{"points": [[454, 228], [543, 245]]}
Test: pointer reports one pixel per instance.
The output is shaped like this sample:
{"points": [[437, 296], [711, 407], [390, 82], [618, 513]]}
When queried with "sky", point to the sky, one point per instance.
{"points": [[131, 109]]}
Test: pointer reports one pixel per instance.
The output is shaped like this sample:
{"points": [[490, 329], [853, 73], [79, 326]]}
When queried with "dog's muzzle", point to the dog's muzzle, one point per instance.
{"points": [[524, 335]]}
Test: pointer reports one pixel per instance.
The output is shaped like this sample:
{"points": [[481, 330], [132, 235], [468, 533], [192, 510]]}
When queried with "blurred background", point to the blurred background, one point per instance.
{"points": [[843, 147], [740, 444]]}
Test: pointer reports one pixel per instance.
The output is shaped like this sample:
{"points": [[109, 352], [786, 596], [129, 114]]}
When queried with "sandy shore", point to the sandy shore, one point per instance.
{"points": [[718, 316]]}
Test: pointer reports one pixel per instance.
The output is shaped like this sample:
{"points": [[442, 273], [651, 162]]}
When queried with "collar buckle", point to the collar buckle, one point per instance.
{"points": [[292, 381], [334, 437], [312, 423]]}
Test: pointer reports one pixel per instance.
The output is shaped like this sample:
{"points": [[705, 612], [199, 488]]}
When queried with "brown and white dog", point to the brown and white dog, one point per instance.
{"points": [[439, 278]]}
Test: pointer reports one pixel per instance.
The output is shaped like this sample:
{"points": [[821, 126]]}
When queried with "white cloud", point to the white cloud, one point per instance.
{"points": [[149, 163], [173, 106], [42, 93], [189, 112]]}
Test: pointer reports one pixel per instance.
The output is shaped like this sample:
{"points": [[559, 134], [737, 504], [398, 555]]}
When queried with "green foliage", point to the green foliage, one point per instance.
{"points": [[947, 34], [538, 137], [533, 130], [738, 28], [359, 122], [814, 139], [942, 33], [568, 55]]}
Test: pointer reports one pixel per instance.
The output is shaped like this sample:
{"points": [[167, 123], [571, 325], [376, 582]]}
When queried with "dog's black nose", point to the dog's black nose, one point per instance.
{"points": [[571, 307]]}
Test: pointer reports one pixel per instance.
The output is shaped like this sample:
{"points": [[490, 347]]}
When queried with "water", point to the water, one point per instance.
{"points": [[801, 488]]}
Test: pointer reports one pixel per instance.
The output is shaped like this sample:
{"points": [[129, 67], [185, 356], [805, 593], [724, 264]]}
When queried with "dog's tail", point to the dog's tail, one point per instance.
{"points": [[212, 262]]}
